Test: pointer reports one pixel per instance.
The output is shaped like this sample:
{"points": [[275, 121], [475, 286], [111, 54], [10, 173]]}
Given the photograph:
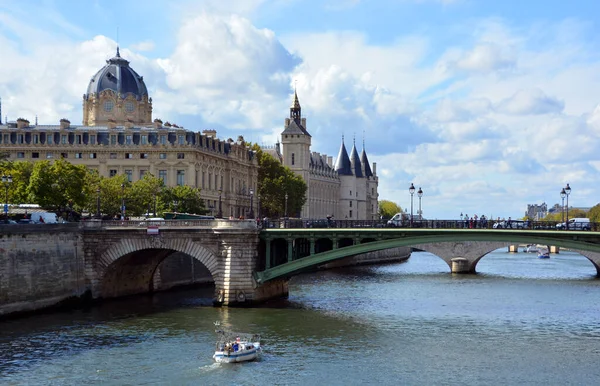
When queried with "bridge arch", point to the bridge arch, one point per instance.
{"points": [[128, 267]]}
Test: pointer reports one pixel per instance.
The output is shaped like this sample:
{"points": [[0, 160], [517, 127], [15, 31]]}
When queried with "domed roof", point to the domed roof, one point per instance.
{"points": [[116, 75]]}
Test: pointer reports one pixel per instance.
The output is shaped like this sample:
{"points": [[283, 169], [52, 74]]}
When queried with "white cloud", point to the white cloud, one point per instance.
{"points": [[532, 101]]}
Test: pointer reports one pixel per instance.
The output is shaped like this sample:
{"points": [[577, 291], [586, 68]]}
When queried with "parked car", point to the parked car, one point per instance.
{"points": [[579, 223]]}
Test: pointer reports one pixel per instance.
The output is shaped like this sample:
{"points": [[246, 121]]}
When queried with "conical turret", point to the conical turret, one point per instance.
{"points": [[343, 166]]}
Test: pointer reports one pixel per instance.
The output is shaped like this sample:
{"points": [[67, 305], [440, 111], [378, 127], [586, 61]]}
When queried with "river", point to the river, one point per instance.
{"points": [[520, 320]]}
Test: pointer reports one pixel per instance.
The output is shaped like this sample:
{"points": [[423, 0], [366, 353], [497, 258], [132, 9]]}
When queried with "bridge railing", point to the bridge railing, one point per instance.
{"points": [[203, 223], [428, 224]]}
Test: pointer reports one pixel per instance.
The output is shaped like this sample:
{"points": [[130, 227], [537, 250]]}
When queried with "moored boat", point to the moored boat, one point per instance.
{"points": [[543, 253]]}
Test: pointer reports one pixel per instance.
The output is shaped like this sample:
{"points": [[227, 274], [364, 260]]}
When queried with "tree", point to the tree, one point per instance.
{"points": [[594, 213], [144, 194], [274, 182], [388, 209], [183, 199], [59, 184], [21, 174]]}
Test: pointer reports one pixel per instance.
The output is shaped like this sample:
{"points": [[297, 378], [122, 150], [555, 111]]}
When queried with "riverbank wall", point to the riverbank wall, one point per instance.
{"points": [[387, 256]]}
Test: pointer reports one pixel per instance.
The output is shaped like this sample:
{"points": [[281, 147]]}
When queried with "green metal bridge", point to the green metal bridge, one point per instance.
{"points": [[289, 251]]}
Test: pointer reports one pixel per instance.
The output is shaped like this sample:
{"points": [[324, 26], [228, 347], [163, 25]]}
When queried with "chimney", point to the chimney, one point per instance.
{"points": [[65, 123], [330, 161], [374, 168], [158, 123], [210, 133], [22, 123], [304, 122]]}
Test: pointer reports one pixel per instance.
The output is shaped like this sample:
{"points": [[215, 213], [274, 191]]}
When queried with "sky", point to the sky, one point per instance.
{"points": [[486, 105]]}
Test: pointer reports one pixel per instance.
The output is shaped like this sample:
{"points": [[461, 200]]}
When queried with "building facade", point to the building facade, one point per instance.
{"points": [[118, 136], [345, 190]]}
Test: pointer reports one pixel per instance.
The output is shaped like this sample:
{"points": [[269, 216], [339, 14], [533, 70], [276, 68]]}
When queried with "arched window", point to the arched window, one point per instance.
{"points": [[293, 158]]}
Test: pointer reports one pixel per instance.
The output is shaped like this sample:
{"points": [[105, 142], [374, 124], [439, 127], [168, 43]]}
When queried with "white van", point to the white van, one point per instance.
{"points": [[397, 221], [44, 218], [578, 223]]}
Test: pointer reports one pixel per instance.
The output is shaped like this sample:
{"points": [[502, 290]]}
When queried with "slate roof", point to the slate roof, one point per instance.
{"points": [[342, 164], [365, 162], [355, 162], [295, 127], [116, 75]]}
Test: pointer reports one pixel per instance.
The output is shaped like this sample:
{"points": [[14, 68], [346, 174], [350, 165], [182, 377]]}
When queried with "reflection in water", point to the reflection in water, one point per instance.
{"points": [[520, 320]]}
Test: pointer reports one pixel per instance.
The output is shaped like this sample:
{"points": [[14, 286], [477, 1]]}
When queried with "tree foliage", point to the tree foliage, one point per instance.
{"points": [[274, 182], [594, 213], [58, 184], [388, 209], [183, 199]]}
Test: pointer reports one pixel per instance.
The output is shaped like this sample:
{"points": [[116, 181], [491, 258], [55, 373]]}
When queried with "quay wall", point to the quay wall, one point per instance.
{"points": [[387, 256], [40, 266]]}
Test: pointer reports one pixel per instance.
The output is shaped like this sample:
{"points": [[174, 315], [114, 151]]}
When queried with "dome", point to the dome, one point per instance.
{"points": [[116, 75]]}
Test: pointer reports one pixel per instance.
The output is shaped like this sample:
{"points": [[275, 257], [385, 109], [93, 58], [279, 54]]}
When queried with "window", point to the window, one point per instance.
{"points": [[128, 139], [180, 155], [350, 214], [216, 180], [92, 139], [181, 139], [162, 156], [64, 155], [162, 174], [372, 191], [203, 175], [113, 155], [6, 140], [20, 155], [209, 181], [128, 155], [108, 106], [181, 177], [350, 204], [144, 139], [93, 155], [35, 155], [356, 194], [63, 139], [49, 155], [350, 193], [78, 139], [129, 174], [293, 158], [20, 138], [163, 139], [144, 155], [78, 155], [113, 139], [129, 106], [112, 172], [142, 173], [36, 138]]}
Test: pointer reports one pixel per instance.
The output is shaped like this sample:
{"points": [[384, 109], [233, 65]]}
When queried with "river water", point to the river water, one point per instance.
{"points": [[520, 320]]}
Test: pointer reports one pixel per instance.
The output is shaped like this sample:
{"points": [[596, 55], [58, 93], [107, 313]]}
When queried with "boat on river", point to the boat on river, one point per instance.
{"points": [[543, 253], [235, 347]]}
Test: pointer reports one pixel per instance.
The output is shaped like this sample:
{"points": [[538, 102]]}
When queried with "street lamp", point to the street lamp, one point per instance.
{"points": [[6, 180], [563, 194], [258, 204], [286, 197], [411, 190], [98, 203], [155, 201], [122, 201], [220, 213], [251, 214], [420, 194], [567, 191]]}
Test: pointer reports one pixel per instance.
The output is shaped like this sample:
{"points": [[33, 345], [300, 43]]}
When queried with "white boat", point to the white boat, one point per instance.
{"points": [[235, 347], [533, 248], [543, 253]]}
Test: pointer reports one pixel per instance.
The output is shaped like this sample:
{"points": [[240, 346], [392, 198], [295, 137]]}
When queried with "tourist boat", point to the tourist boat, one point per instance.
{"points": [[543, 253], [235, 347], [532, 248]]}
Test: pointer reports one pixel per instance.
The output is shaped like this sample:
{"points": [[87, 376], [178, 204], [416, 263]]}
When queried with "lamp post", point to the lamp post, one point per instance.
{"points": [[420, 194], [563, 194], [251, 214], [98, 203], [258, 204], [411, 190], [220, 212], [155, 201], [567, 191], [6, 181], [285, 213], [122, 201]]}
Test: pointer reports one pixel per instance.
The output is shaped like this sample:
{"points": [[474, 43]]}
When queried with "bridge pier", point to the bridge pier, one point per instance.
{"points": [[460, 265], [513, 248]]}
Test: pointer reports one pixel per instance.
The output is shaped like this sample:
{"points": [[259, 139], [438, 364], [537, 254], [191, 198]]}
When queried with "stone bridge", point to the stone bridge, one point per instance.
{"points": [[42, 265]]}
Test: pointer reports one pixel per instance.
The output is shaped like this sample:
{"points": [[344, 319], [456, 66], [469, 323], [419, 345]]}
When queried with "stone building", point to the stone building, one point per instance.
{"points": [[118, 136], [346, 189]]}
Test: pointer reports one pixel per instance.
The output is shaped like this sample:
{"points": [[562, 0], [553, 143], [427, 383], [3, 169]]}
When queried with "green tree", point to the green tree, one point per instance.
{"points": [[59, 184], [594, 213], [274, 182], [144, 194], [21, 174], [387, 209], [183, 199]]}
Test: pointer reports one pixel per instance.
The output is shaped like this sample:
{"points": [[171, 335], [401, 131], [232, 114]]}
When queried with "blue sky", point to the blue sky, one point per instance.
{"points": [[487, 105]]}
